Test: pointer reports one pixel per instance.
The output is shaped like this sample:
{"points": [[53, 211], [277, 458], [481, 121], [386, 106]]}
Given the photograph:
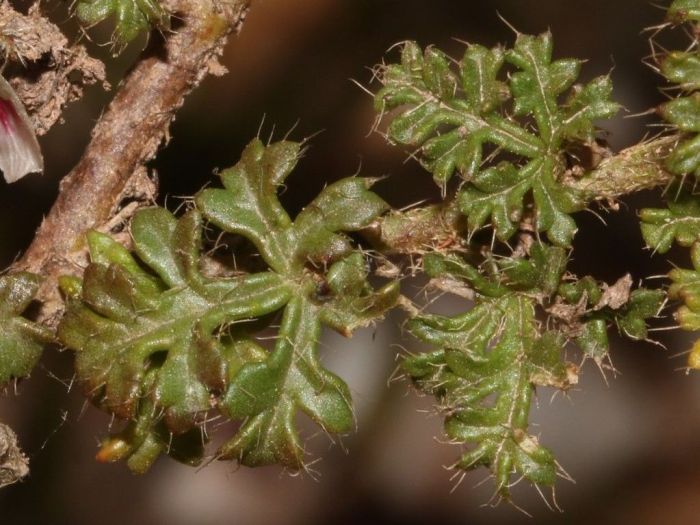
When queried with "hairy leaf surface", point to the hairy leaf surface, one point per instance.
{"points": [[160, 339], [494, 349], [331, 288], [489, 360], [456, 118]]}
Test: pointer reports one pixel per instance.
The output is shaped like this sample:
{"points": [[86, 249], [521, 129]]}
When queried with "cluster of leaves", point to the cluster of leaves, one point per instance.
{"points": [[508, 123], [489, 359], [160, 342], [131, 17], [166, 332], [465, 121], [680, 221]]}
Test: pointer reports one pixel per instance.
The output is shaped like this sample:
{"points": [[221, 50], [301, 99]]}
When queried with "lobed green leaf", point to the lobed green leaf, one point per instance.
{"points": [[490, 358], [492, 350], [159, 341], [453, 118]]}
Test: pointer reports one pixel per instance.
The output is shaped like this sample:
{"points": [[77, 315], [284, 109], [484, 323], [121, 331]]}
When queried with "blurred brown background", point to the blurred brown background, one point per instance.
{"points": [[631, 443]]}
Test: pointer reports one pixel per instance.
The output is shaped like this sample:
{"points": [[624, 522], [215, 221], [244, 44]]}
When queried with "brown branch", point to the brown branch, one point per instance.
{"points": [[127, 136]]}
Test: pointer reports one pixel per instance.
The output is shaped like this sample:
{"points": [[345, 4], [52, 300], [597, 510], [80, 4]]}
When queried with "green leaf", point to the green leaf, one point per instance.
{"points": [[356, 304], [642, 305], [159, 341], [685, 158], [686, 288], [682, 68], [540, 81], [490, 358], [684, 114], [593, 340], [146, 437], [438, 265], [542, 271], [492, 350], [680, 223], [450, 119], [249, 207], [125, 322], [270, 393], [585, 105], [585, 288], [21, 340], [132, 17], [497, 195]]}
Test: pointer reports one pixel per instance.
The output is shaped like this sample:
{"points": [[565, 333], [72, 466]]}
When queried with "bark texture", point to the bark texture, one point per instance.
{"points": [[127, 136]]}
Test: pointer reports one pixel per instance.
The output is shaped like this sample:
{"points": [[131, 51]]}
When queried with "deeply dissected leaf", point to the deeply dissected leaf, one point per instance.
{"points": [[271, 392], [681, 221], [497, 194], [159, 341], [124, 321], [455, 118], [542, 271], [146, 437], [21, 340], [489, 360], [494, 349], [539, 82], [436, 99], [683, 68]]}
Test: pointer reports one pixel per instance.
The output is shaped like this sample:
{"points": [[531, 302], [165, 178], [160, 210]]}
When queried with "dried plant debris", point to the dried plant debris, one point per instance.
{"points": [[50, 73], [13, 463]]}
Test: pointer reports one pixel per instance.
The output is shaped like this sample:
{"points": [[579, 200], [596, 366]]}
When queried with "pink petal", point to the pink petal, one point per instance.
{"points": [[20, 153]]}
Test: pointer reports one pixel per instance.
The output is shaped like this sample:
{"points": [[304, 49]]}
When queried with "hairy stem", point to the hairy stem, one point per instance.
{"points": [[127, 136], [440, 227], [417, 230], [640, 167]]}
